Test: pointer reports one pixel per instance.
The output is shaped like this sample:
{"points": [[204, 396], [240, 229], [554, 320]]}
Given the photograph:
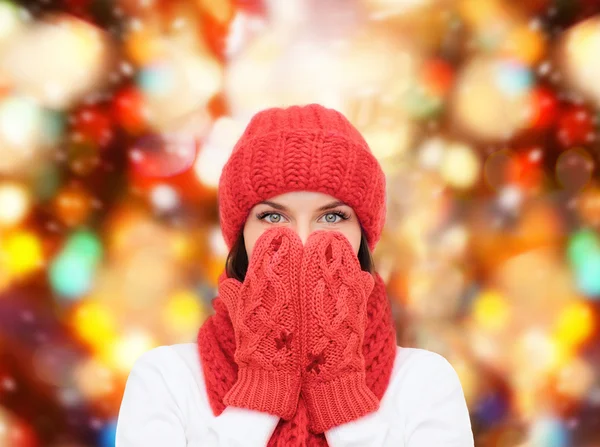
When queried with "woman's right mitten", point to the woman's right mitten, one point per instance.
{"points": [[265, 317]]}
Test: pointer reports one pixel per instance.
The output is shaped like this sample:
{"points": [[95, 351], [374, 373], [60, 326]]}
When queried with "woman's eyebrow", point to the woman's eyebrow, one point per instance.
{"points": [[331, 205], [279, 207]]}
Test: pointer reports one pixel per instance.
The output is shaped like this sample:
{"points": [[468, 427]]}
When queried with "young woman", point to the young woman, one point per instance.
{"points": [[301, 348]]}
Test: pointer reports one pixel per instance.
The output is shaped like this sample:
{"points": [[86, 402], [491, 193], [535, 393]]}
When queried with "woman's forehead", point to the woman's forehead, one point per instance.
{"points": [[303, 200]]}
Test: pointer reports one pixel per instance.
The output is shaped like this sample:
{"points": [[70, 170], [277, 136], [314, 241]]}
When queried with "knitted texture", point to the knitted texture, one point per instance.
{"points": [[333, 296], [217, 347], [265, 314], [301, 148]]}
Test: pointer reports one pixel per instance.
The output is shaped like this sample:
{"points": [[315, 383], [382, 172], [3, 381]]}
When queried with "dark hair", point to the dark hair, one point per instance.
{"points": [[237, 259]]}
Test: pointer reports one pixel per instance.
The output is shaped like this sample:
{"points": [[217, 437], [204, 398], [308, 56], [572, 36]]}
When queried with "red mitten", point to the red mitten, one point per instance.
{"points": [[265, 317], [334, 292]]}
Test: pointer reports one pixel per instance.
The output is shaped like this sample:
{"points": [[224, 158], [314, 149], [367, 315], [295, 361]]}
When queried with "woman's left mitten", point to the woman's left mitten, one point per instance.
{"points": [[334, 291]]}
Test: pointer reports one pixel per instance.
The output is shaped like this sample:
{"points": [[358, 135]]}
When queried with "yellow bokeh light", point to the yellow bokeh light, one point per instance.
{"points": [[183, 313], [14, 203], [144, 45], [460, 166], [181, 245], [575, 324], [479, 12], [525, 44], [491, 311], [579, 64], [122, 353], [60, 81], [220, 10], [483, 106], [87, 42], [94, 324], [22, 253]]}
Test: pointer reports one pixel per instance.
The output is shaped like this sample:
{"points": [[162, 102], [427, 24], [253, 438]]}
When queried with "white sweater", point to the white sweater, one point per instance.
{"points": [[165, 405]]}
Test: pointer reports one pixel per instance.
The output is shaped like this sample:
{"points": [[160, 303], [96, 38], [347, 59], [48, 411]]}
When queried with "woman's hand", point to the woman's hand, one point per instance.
{"points": [[265, 314], [333, 301]]}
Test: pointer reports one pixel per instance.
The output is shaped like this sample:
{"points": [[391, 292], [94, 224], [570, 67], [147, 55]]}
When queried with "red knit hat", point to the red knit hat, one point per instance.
{"points": [[301, 148]]}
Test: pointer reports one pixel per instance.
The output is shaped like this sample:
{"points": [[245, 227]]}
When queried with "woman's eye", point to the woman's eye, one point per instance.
{"points": [[333, 218], [274, 217], [330, 218]]}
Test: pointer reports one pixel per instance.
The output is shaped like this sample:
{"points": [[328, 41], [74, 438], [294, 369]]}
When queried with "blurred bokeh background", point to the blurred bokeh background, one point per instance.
{"points": [[116, 117]]}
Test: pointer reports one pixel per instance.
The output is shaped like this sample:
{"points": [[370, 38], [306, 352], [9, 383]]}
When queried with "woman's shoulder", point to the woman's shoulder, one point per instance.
{"points": [[165, 396], [185, 354], [424, 403], [417, 360], [170, 357], [176, 367], [420, 373]]}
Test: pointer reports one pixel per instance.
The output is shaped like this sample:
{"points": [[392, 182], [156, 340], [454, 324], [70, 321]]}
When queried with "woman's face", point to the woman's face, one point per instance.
{"points": [[304, 212]]}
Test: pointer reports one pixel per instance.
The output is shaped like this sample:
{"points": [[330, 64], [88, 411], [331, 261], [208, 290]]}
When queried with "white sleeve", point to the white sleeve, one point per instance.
{"points": [[434, 408], [371, 430], [154, 409], [149, 415], [437, 413], [240, 427]]}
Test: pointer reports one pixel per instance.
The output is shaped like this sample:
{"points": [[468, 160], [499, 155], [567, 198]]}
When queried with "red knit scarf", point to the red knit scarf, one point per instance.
{"points": [[216, 344]]}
